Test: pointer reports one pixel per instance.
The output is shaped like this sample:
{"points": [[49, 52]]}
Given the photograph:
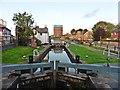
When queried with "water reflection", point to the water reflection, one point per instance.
{"points": [[56, 54]]}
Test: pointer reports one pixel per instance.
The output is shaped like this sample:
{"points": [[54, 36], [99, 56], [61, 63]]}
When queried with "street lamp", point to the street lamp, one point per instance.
{"points": [[118, 42]]}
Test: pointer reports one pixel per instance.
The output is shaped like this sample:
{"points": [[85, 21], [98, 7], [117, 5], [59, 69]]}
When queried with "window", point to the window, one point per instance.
{"points": [[115, 33]]}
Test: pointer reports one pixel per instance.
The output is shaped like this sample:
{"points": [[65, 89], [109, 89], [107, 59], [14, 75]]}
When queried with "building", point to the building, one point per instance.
{"points": [[82, 36], [79, 35], [42, 35], [88, 36], [65, 36], [5, 34], [115, 34], [2, 23], [58, 30]]}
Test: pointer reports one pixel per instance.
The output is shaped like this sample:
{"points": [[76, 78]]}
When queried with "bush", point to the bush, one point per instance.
{"points": [[38, 42]]}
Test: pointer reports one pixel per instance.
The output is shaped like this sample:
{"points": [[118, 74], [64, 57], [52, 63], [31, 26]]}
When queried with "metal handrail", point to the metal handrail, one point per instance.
{"points": [[94, 67], [8, 68]]}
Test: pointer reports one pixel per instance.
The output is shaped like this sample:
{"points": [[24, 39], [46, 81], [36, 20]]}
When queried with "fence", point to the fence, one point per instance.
{"points": [[5, 47], [109, 52]]}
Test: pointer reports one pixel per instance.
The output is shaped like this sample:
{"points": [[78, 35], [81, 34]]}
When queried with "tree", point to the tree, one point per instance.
{"points": [[73, 31], [85, 30], [99, 34], [108, 27], [24, 27], [80, 30]]}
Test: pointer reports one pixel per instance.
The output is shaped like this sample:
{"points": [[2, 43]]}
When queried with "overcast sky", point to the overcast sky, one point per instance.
{"points": [[69, 14]]}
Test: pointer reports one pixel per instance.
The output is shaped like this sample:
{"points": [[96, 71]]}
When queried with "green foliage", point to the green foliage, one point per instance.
{"points": [[24, 27], [38, 42], [93, 57], [73, 31], [108, 27], [15, 55], [79, 30]]}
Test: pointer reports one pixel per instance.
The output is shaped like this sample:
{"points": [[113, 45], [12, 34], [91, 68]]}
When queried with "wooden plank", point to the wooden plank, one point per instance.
{"points": [[74, 77]]}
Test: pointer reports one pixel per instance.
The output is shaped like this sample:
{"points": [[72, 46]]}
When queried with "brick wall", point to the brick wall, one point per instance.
{"points": [[58, 31]]}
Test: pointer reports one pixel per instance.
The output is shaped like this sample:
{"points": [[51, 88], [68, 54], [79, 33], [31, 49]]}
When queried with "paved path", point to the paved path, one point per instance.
{"points": [[92, 49], [100, 51], [104, 80]]}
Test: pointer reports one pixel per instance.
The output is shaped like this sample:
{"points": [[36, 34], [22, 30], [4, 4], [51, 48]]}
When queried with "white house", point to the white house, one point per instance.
{"points": [[42, 35]]}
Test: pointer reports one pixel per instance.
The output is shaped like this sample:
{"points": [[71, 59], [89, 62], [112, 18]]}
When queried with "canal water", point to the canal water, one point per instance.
{"points": [[57, 55]]}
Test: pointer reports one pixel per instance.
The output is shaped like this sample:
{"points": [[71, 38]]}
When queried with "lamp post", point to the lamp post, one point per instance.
{"points": [[118, 42]]}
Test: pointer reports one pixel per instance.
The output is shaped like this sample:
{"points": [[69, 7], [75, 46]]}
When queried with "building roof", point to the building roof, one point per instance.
{"points": [[5, 28], [42, 30], [58, 26]]}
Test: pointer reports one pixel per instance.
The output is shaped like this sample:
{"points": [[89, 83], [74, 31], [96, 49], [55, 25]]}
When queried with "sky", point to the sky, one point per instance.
{"points": [[73, 14]]}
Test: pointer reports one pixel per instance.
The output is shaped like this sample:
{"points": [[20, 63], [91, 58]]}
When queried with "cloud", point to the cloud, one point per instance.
{"points": [[91, 14]]}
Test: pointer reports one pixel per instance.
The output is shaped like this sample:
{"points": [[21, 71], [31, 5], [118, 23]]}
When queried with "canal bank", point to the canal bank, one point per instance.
{"points": [[61, 50]]}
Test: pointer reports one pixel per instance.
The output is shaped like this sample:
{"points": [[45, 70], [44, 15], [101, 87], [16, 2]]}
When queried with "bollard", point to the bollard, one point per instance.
{"points": [[78, 70], [30, 59], [77, 58]]}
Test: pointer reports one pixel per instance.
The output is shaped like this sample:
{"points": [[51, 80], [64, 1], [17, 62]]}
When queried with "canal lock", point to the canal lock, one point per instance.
{"points": [[55, 80]]}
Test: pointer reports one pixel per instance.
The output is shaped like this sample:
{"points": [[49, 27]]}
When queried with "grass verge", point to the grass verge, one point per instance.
{"points": [[15, 55], [93, 57]]}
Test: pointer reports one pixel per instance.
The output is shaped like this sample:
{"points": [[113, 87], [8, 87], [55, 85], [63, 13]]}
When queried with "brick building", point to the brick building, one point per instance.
{"points": [[88, 36], [115, 34], [58, 30], [5, 34]]}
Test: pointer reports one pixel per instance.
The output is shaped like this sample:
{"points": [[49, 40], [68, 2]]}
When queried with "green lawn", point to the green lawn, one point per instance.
{"points": [[93, 57], [15, 55]]}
